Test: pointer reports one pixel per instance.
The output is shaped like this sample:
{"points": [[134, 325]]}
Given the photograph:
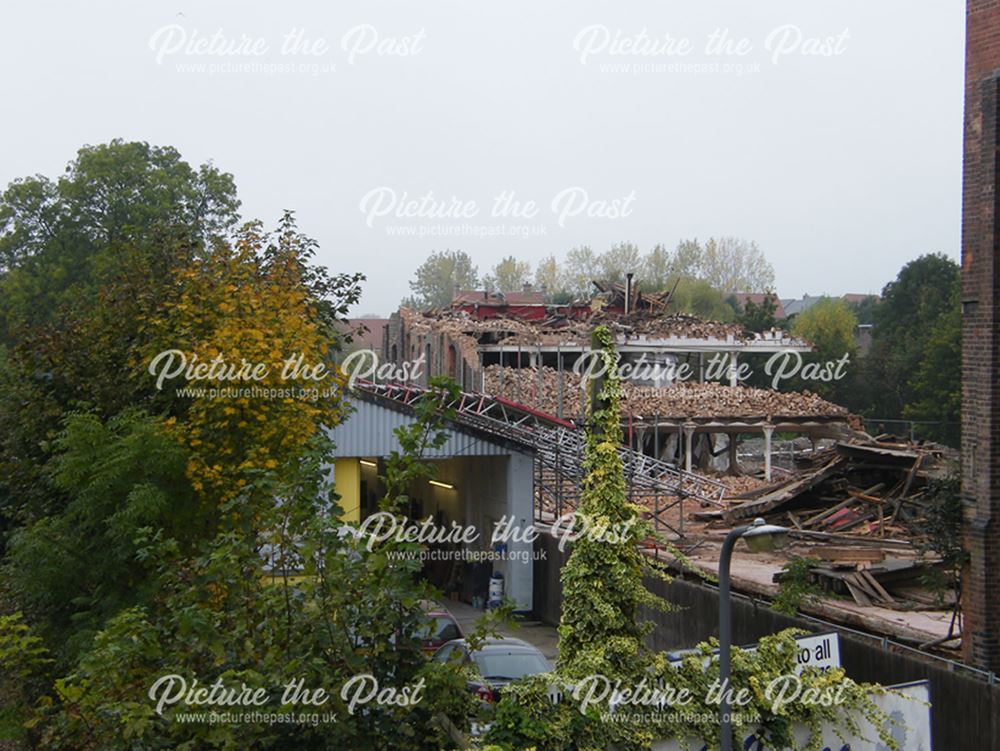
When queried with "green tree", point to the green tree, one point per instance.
{"points": [[829, 326], [438, 277], [865, 309], [732, 264], [937, 387], [82, 257], [549, 279], [509, 275], [619, 260], [687, 258], [698, 298], [661, 267], [907, 317], [657, 268], [71, 571], [756, 317], [354, 610], [581, 268], [60, 239]]}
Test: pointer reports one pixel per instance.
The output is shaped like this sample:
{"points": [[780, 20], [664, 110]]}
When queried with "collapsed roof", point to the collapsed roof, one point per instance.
{"points": [[540, 387]]}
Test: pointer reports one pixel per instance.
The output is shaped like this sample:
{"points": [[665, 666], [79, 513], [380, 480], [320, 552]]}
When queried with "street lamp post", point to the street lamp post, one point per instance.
{"points": [[760, 537]]}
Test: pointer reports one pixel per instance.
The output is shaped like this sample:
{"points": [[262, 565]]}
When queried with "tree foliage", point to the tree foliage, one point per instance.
{"points": [[72, 570], [757, 317], [829, 326], [59, 240], [155, 510], [581, 267], [699, 298], [936, 388], [548, 277], [914, 367], [247, 303], [724, 264], [353, 610], [82, 257], [618, 261], [509, 275], [438, 277], [732, 264]]}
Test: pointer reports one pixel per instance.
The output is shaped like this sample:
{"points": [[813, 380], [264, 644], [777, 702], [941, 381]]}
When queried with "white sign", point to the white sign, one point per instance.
{"points": [[909, 708], [814, 651]]}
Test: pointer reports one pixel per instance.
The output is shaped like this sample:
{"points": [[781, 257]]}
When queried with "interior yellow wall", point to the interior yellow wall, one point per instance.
{"points": [[347, 483]]}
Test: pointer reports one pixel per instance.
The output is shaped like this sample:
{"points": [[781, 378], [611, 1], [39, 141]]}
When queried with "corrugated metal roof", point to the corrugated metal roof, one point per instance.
{"points": [[369, 431]]}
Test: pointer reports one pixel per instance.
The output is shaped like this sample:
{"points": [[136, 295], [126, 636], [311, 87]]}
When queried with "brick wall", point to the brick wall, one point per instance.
{"points": [[980, 367]]}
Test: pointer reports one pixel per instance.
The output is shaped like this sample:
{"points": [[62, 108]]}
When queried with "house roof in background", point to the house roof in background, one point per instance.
{"points": [[481, 297], [758, 299], [794, 306], [371, 332]]}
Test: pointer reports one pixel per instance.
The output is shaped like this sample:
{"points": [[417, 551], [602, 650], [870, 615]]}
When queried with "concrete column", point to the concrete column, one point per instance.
{"points": [[559, 386], [734, 462], [520, 506], [733, 368], [688, 440], [768, 430]]}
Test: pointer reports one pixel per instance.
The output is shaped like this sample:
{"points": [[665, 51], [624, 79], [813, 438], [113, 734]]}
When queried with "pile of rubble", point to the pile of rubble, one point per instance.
{"points": [[858, 507], [547, 389], [562, 328]]}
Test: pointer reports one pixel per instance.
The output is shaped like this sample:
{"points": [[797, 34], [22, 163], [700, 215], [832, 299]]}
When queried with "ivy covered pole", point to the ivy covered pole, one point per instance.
{"points": [[600, 629]]}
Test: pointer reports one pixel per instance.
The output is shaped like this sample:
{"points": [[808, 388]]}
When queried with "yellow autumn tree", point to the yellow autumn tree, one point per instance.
{"points": [[249, 314]]}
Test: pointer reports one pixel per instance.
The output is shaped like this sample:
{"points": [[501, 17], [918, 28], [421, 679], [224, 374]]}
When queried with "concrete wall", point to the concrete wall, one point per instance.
{"points": [[965, 712]]}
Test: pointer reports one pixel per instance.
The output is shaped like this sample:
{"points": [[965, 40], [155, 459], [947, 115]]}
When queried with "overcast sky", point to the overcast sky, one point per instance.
{"points": [[828, 132]]}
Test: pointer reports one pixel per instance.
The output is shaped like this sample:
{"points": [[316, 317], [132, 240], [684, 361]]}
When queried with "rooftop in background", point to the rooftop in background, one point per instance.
{"points": [[484, 297], [367, 333], [794, 306]]}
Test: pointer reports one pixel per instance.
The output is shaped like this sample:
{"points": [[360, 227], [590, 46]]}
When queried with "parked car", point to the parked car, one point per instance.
{"points": [[439, 627], [496, 663]]}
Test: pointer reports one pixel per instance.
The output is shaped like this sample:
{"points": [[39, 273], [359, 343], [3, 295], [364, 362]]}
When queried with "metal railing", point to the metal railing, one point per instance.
{"points": [[558, 446]]}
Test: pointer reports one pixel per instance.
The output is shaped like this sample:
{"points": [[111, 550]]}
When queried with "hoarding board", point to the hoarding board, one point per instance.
{"points": [[908, 705]]}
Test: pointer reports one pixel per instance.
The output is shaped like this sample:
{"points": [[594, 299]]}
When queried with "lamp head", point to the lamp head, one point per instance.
{"points": [[762, 537]]}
